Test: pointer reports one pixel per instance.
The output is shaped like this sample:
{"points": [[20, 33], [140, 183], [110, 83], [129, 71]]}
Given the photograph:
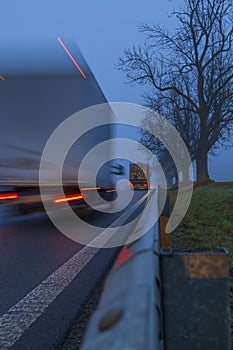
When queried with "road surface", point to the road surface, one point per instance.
{"points": [[45, 280]]}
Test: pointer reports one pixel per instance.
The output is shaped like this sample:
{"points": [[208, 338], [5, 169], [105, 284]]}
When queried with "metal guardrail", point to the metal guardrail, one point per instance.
{"points": [[156, 299], [130, 314]]}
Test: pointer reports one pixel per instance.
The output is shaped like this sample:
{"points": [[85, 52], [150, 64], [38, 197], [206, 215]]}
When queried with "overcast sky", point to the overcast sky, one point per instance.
{"points": [[102, 30]]}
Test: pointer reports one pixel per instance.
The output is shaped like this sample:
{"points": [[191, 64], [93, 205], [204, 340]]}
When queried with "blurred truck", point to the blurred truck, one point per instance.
{"points": [[41, 85]]}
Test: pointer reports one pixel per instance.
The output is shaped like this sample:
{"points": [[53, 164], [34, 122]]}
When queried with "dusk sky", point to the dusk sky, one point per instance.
{"points": [[102, 29]]}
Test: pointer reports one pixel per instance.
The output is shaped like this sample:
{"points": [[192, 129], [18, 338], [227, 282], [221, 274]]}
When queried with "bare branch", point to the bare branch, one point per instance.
{"points": [[189, 73]]}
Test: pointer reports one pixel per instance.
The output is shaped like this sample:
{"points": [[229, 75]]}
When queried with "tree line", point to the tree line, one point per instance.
{"points": [[188, 74]]}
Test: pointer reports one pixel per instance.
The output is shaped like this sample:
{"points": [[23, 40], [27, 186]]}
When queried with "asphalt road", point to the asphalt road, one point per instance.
{"points": [[45, 280]]}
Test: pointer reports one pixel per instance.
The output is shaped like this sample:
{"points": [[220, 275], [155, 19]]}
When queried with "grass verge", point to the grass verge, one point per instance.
{"points": [[208, 223]]}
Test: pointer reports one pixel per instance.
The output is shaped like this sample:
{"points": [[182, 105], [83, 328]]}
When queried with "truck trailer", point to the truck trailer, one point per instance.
{"points": [[41, 85]]}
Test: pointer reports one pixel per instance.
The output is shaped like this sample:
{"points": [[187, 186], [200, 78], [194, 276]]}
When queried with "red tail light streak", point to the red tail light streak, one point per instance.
{"points": [[2, 78], [6, 196], [71, 57], [67, 198], [124, 256], [90, 188]]}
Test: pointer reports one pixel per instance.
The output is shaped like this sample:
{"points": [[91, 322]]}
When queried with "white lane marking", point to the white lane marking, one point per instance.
{"points": [[21, 316]]}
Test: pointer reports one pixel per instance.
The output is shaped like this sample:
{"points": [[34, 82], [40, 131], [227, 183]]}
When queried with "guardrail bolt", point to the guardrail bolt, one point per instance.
{"points": [[110, 318], [186, 334]]}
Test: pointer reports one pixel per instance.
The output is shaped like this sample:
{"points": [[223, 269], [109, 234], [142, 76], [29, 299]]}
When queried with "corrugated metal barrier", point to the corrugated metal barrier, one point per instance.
{"points": [[158, 299]]}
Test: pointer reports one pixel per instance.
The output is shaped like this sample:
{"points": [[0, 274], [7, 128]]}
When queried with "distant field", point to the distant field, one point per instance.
{"points": [[208, 223]]}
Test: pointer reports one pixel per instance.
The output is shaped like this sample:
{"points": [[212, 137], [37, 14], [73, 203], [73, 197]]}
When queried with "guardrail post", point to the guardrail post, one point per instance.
{"points": [[196, 300], [165, 237]]}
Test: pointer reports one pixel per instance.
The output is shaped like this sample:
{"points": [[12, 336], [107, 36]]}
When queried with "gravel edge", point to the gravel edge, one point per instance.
{"points": [[75, 334]]}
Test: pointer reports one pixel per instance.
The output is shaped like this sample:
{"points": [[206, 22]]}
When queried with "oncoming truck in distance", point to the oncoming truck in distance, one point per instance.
{"points": [[42, 85], [139, 176]]}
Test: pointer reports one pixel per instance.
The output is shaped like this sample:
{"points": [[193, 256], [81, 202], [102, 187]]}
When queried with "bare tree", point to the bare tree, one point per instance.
{"points": [[190, 75]]}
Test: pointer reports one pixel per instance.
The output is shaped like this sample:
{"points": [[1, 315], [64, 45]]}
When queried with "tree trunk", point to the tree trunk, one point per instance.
{"points": [[202, 168]]}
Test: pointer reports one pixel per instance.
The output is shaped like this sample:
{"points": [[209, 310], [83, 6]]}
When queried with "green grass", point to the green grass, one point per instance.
{"points": [[208, 223]]}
